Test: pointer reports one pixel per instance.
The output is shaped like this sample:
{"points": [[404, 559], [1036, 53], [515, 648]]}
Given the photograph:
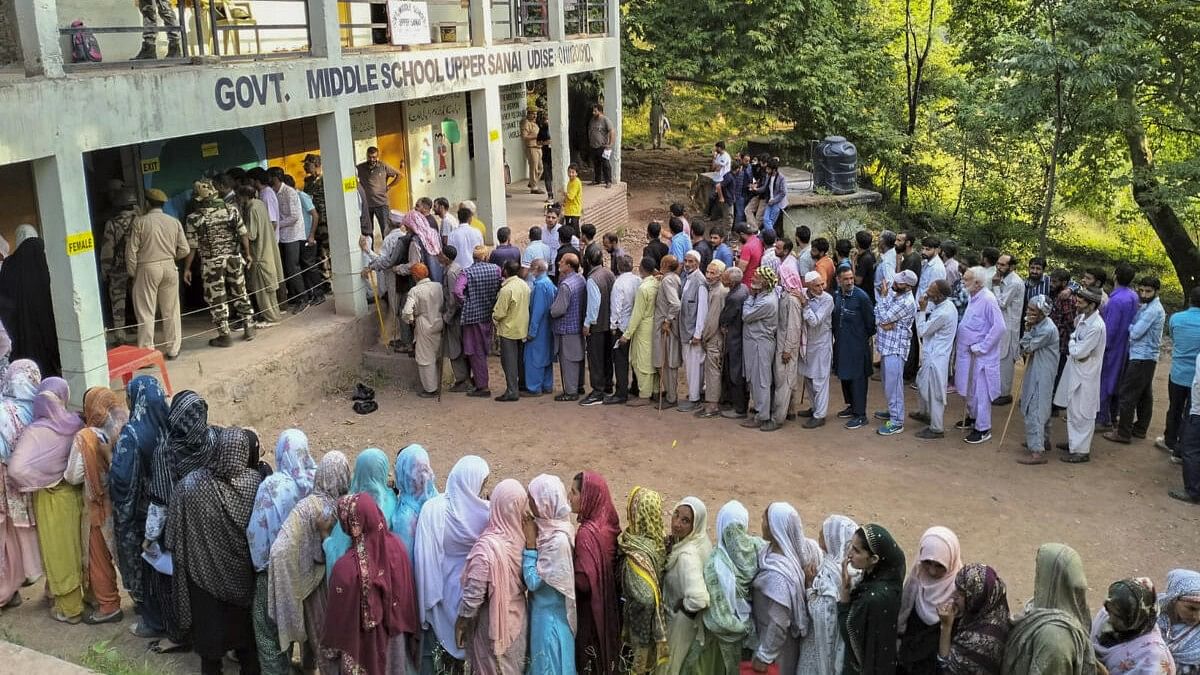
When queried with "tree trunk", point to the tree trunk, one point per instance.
{"points": [[1174, 236], [1052, 169], [914, 62]]}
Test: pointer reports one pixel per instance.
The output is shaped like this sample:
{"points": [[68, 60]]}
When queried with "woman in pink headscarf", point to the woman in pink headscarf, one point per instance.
{"points": [[929, 585], [491, 617]]}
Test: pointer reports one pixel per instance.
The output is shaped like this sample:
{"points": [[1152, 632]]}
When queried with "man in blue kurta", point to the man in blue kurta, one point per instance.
{"points": [[539, 346], [853, 323], [1118, 315]]}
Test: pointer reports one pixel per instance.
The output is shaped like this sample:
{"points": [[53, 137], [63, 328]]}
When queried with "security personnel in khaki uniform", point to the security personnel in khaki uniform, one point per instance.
{"points": [[214, 229], [533, 151], [155, 242], [112, 257]]}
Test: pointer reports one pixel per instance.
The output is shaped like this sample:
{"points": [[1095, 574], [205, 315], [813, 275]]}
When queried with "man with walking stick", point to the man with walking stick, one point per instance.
{"points": [[1039, 345], [977, 371]]}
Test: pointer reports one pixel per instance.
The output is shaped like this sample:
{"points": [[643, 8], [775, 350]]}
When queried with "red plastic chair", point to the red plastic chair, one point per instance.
{"points": [[126, 360]]}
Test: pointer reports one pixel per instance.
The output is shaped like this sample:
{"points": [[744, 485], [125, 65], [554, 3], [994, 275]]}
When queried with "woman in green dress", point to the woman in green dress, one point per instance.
{"points": [[868, 613]]}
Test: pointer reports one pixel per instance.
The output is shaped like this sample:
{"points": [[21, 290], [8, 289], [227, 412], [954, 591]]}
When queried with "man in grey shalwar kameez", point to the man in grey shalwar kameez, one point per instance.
{"points": [[937, 323], [1039, 346], [693, 314], [452, 331], [818, 347], [666, 335], [789, 348], [759, 321]]}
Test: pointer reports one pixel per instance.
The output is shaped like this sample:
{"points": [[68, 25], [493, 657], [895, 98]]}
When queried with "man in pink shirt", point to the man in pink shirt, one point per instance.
{"points": [[751, 254]]}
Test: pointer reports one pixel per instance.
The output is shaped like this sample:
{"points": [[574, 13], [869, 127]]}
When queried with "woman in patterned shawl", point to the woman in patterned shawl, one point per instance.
{"points": [[1125, 632], [974, 624], [1179, 619], [868, 613], [728, 574], [643, 543], [20, 558]]}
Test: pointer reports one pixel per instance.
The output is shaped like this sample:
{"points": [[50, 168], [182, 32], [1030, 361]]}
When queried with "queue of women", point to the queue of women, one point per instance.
{"points": [[367, 570]]}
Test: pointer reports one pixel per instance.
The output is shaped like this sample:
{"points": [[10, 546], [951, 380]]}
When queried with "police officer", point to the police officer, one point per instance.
{"points": [[214, 229], [112, 257]]}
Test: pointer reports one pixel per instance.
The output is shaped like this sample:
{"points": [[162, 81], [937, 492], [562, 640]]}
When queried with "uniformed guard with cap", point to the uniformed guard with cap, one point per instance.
{"points": [[155, 242], [214, 229], [112, 256]]}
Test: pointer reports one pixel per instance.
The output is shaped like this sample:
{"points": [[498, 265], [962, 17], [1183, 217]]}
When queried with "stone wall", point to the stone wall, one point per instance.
{"points": [[10, 44]]}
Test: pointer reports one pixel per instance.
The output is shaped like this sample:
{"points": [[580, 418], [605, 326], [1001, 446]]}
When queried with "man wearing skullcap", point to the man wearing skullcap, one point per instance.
{"points": [[423, 310], [818, 347], [693, 314], [854, 324], [476, 289], [1079, 389], [666, 347], [977, 364], [789, 348], [759, 322], [1039, 346], [937, 322], [894, 317], [711, 339], [214, 231], [156, 241]]}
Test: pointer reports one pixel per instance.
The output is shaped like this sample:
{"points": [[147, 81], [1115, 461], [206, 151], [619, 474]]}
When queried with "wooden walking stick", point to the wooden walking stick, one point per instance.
{"points": [[1012, 406], [383, 335], [662, 372], [969, 392]]}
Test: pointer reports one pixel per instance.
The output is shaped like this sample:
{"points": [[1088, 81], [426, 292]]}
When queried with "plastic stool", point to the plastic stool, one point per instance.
{"points": [[126, 360]]}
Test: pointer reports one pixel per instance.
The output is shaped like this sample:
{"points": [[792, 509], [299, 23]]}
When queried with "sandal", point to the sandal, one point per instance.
{"points": [[57, 615], [95, 618], [166, 646]]}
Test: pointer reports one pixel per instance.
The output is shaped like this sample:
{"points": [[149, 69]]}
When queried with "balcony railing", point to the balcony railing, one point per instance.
{"points": [[586, 17], [380, 24], [517, 20]]}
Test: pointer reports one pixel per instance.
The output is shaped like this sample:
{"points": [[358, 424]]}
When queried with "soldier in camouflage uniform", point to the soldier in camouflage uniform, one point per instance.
{"points": [[314, 185], [215, 229], [152, 11], [112, 257]]}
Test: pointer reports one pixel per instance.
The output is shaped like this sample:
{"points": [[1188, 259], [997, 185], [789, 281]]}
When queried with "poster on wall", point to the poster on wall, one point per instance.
{"points": [[408, 22], [437, 146], [362, 131], [513, 102]]}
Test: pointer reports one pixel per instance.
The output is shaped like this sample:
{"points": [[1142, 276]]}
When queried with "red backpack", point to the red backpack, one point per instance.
{"points": [[84, 47]]}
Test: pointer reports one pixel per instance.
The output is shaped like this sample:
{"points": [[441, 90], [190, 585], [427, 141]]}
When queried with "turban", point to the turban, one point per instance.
{"points": [[720, 265], [419, 271], [766, 276], [813, 276], [1041, 304], [1088, 294]]}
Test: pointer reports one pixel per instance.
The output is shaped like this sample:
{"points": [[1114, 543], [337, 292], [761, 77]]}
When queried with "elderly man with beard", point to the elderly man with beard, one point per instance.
{"points": [[937, 322], [977, 363], [693, 313], [423, 309], [789, 350], [1039, 345], [815, 357], [1079, 389], [666, 347], [733, 371], [712, 340], [759, 324]]}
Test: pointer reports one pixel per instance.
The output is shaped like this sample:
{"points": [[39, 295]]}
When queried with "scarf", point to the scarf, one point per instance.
{"points": [[41, 453], [1059, 604], [26, 309], [418, 224], [696, 542], [95, 448], [555, 539], [278, 494], [495, 559], [297, 567], [728, 575], [21, 381], [206, 526], [977, 645], [1182, 639], [782, 564], [371, 471], [185, 448], [836, 531], [1131, 612], [596, 559], [466, 512], [923, 593], [642, 543], [417, 484], [875, 601], [371, 591]]}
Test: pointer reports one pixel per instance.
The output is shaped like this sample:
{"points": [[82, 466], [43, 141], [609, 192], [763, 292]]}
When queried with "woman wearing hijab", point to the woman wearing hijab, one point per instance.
{"points": [[372, 603], [25, 306], [1125, 631], [88, 465], [644, 550], [1179, 619], [36, 466], [550, 577], [974, 624], [127, 479], [491, 617], [684, 592], [867, 613], [598, 640], [20, 558], [930, 584], [416, 484], [728, 575], [1051, 635], [448, 528], [822, 651], [779, 608], [214, 575], [296, 589], [277, 495], [371, 471]]}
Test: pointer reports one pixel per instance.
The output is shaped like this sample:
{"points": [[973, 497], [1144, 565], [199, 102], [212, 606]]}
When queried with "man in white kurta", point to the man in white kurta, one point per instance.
{"points": [[937, 323], [1079, 389], [1009, 288], [693, 314], [818, 347]]}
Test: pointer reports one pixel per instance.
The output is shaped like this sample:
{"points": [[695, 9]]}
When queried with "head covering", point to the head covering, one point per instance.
{"points": [[696, 542], [154, 194], [719, 264], [50, 407], [923, 593], [766, 276], [1051, 633], [203, 190], [186, 447], [296, 568], [1059, 582], [981, 631], [693, 254], [24, 232], [1183, 640], [416, 484], [40, 456], [419, 271], [21, 382], [907, 277], [1087, 294], [875, 601], [1131, 612], [782, 564], [595, 557], [466, 512], [419, 225], [555, 539], [371, 471], [279, 493], [728, 575], [470, 206], [643, 543], [789, 275], [26, 310], [837, 531], [95, 448], [812, 276], [371, 596], [495, 559], [1041, 304], [206, 526], [130, 471]]}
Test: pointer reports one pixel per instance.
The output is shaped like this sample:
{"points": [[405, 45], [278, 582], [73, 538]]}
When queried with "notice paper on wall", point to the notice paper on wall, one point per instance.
{"points": [[408, 22]]}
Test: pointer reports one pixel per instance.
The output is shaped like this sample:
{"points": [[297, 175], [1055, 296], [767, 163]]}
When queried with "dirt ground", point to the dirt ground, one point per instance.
{"points": [[1114, 510]]}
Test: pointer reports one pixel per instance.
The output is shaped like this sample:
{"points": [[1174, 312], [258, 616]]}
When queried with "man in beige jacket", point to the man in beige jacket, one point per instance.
{"points": [[156, 242]]}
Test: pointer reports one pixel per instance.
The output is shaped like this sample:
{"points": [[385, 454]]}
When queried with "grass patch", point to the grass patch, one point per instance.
{"points": [[103, 658], [9, 636]]}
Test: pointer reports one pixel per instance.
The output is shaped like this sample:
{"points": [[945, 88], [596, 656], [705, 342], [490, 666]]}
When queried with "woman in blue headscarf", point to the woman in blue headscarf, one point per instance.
{"points": [[371, 469], [416, 483]]}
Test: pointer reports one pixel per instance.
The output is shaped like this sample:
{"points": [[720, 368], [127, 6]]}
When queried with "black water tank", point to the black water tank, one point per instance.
{"points": [[835, 165]]}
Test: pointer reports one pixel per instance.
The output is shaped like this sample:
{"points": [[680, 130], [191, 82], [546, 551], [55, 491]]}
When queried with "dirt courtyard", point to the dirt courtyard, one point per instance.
{"points": [[1114, 510]]}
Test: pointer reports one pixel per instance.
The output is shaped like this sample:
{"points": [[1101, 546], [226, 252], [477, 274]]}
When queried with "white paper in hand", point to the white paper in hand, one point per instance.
{"points": [[160, 560]]}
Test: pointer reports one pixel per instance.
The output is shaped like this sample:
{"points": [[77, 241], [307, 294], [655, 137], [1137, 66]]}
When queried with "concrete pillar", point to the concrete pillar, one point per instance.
{"points": [[488, 166], [614, 24], [341, 207], [74, 288], [482, 29], [324, 31], [557, 30], [558, 110], [612, 108], [37, 21]]}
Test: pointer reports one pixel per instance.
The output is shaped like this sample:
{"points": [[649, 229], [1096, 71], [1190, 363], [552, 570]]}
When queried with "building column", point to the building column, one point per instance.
{"points": [[71, 254], [324, 29], [558, 110], [342, 209], [37, 23], [479, 15], [612, 108], [557, 18], [488, 166]]}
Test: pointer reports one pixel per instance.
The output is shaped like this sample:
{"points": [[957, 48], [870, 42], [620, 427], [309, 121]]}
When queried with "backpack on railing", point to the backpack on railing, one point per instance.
{"points": [[84, 46]]}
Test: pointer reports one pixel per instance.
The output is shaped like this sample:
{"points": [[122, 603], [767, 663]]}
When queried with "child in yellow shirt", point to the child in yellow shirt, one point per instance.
{"points": [[572, 197]]}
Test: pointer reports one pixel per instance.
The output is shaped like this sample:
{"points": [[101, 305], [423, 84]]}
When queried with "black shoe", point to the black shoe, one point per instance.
{"points": [[531, 394], [480, 393], [965, 425], [362, 393], [1076, 458], [1003, 400], [615, 400], [920, 417], [566, 397], [147, 53], [427, 394], [173, 51], [298, 307], [814, 422], [769, 425], [592, 399], [928, 434], [317, 299], [976, 436], [805, 413], [846, 414], [365, 407], [505, 398], [221, 341], [459, 387], [1182, 496]]}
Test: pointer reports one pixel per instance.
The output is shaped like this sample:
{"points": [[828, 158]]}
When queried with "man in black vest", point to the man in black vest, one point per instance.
{"points": [[597, 328]]}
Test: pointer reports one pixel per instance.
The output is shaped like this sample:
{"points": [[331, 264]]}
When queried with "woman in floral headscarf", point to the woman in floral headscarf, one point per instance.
{"points": [[684, 592], [20, 559], [974, 624], [1179, 619], [1125, 632], [644, 547]]}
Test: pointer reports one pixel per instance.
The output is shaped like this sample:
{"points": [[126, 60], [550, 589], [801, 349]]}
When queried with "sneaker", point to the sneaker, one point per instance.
{"points": [[976, 436], [592, 399], [814, 422], [883, 415], [615, 400], [856, 422], [1161, 444], [928, 434], [964, 425], [890, 428], [846, 413], [566, 397]]}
